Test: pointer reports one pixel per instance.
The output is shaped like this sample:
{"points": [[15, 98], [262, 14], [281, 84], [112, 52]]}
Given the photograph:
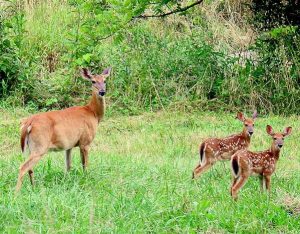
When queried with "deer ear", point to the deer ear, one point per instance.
{"points": [[240, 116], [86, 74], [287, 131], [106, 72], [269, 130], [254, 116]]}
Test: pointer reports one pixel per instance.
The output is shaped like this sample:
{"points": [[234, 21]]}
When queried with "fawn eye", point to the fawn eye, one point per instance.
{"points": [[246, 125], [94, 82]]}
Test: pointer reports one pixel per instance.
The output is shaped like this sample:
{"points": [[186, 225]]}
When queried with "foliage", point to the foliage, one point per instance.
{"points": [[273, 13], [12, 69], [175, 62]]}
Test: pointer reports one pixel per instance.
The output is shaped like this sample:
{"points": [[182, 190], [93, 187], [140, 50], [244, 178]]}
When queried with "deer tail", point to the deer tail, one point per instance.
{"points": [[202, 153], [235, 165], [25, 130]]}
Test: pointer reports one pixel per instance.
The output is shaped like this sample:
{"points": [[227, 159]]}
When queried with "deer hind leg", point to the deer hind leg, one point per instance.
{"points": [[68, 159], [203, 166], [241, 180], [27, 167], [84, 153], [30, 172]]}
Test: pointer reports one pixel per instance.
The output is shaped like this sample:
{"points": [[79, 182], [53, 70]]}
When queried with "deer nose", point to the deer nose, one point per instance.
{"points": [[102, 93], [250, 133], [280, 145]]}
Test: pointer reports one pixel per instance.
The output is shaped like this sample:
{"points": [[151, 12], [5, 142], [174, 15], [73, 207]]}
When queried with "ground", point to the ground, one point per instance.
{"points": [[139, 180]]}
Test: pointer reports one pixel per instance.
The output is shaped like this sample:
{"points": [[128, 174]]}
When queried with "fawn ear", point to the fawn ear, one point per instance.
{"points": [[86, 74], [240, 116], [106, 72], [269, 130], [254, 116], [287, 131]]}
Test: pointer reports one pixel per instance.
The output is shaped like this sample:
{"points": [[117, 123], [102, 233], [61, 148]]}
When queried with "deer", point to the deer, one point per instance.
{"points": [[212, 150], [64, 129], [245, 163]]}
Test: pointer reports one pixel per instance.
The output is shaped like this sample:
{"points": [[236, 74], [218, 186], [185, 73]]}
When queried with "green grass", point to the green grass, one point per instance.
{"points": [[139, 180]]}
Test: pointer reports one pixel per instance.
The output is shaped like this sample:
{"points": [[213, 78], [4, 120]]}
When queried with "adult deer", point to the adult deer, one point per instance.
{"points": [[64, 129], [216, 149], [244, 162]]}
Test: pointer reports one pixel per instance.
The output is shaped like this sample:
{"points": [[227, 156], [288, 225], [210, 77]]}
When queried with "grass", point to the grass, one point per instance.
{"points": [[139, 180]]}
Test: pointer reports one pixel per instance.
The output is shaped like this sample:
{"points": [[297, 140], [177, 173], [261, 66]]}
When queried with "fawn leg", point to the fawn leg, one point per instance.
{"points": [[262, 183], [238, 185], [268, 182], [201, 169], [68, 159], [234, 180]]}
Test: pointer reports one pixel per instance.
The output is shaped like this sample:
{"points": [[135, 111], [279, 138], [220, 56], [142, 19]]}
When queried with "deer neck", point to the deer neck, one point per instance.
{"points": [[97, 105], [275, 152], [246, 136]]}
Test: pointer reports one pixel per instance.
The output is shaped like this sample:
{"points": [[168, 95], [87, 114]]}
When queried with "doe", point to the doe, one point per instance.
{"points": [[244, 163], [64, 129], [216, 149]]}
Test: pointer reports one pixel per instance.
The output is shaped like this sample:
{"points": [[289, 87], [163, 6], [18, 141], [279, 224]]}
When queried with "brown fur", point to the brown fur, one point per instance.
{"points": [[63, 129], [245, 163], [216, 149]]}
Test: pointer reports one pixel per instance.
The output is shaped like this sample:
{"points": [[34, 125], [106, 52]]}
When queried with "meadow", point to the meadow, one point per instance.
{"points": [[139, 180]]}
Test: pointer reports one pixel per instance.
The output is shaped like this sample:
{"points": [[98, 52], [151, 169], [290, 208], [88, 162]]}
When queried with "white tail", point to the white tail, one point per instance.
{"points": [[64, 129], [245, 163]]}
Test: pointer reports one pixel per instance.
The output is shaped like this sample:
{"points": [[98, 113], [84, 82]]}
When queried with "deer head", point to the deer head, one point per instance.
{"points": [[248, 122], [98, 81], [278, 138]]}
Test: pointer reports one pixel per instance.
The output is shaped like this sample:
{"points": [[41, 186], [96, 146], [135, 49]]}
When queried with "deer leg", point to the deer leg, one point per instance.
{"points": [[202, 168], [68, 159], [27, 167], [234, 180], [262, 183], [84, 153], [30, 172], [268, 182], [238, 185]]}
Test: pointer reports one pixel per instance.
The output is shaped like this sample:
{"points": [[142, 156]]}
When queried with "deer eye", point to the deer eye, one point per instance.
{"points": [[94, 82], [246, 125], [274, 138]]}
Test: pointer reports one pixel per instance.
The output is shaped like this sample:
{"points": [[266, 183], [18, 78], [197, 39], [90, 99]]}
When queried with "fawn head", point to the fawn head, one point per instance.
{"points": [[278, 138], [98, 81], [248, 122]]}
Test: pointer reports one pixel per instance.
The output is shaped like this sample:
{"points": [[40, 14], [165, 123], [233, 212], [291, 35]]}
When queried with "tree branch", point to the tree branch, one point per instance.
{"points": [[171, 12]]}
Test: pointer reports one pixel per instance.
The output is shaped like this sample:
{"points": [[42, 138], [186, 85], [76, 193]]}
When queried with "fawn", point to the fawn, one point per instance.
{"points": [[216, 149], [64, 129], [244, 162]]}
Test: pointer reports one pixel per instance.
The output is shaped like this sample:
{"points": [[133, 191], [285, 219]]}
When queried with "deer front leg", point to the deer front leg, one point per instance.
{"points": [[262, 182], [84, 151], [68, 159], [268, 182]]}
